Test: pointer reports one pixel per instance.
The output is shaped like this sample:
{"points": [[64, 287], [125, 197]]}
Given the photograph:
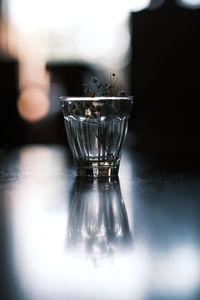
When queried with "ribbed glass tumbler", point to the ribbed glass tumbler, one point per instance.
{"points": [[96, 128]]}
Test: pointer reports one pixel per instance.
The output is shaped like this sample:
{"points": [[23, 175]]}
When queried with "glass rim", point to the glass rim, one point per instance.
{"points": [[95, 98]]}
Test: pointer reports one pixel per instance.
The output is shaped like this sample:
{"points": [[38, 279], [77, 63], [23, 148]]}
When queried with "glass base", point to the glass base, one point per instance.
{"points": [[97, 168]]}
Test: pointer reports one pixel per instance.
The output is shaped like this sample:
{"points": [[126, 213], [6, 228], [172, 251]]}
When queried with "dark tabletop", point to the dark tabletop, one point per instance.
{"points": [[132, 237]]}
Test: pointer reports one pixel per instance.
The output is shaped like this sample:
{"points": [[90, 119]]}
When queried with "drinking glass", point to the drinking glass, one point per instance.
{"points": [[96, 128]]}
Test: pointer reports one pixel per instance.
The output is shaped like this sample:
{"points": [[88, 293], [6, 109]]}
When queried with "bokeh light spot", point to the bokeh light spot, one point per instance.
{"points": [[33, 104]]}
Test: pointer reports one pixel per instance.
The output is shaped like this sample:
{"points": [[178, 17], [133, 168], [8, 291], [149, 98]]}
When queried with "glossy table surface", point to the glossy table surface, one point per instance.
{"points": [[133, 237]]}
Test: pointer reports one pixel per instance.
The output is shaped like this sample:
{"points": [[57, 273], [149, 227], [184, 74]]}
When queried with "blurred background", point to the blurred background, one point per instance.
{"points": [[48, 49]]}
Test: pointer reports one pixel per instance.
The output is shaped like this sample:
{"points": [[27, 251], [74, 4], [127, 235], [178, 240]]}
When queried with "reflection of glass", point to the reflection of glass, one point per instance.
{"points": [[96, 128], [98, 222]]}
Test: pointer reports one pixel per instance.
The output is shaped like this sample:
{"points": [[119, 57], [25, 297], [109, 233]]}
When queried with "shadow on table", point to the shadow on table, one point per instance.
{"points": [[98, 224]]}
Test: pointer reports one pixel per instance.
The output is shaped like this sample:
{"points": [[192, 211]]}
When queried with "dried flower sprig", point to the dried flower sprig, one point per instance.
{"points": [[99, 89]]}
